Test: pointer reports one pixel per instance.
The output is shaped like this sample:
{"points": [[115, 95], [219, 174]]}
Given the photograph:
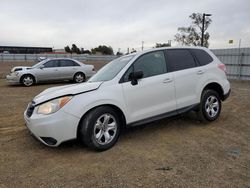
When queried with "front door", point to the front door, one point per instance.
{"points": [[48, 71], [155, 93]]}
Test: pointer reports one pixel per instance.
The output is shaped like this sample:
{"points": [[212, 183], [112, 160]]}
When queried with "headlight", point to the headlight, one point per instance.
{"points": [[53, 105]]}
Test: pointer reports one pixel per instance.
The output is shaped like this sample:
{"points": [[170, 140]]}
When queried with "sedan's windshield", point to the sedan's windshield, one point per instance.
{"points": [[39, 64], [109, 71]]}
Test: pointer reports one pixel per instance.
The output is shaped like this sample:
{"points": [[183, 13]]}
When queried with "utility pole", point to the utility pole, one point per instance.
{"points": [[203, 27], [142, 42]]}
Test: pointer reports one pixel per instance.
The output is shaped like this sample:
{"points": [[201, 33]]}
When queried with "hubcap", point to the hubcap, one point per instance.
{"points": [[212, 106], [79, 78], [105, 129], [27, 81]]}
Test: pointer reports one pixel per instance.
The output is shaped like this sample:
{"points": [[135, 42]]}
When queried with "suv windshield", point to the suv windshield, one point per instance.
{"points": [[109, 71]]}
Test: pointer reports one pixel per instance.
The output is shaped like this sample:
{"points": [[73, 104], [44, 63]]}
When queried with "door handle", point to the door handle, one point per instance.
{"points": [[200, 71], [167, 80]]}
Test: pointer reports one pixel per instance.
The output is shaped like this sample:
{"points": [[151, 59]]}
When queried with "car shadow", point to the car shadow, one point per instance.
{"points": [[183, 121]]}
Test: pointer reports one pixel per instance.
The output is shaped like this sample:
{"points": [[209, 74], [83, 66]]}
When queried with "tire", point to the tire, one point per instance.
{"points": [[27, 80], [210, 106], [79, 77], [100, 128]]}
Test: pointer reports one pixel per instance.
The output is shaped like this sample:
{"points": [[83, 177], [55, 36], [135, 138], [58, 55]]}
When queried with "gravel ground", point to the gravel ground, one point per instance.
{"points": [[174, 152]]}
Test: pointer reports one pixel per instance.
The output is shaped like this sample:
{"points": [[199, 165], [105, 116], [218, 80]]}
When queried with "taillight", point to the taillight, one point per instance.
{"points": [[222, 67], [93, 69]]}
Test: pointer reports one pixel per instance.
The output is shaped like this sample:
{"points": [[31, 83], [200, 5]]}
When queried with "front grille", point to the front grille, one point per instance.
{"points": [[30, 109]]}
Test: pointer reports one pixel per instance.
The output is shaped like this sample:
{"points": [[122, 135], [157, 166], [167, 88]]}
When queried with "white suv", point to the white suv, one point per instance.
{"points": [[129, 91]]}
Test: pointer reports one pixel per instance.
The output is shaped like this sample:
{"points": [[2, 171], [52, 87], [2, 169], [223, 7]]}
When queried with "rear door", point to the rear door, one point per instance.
{"points": [[68, 68], [186, 76], [154, 94]]}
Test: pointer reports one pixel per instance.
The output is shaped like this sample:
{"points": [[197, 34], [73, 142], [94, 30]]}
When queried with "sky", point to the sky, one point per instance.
{"points": [[116, 23]]}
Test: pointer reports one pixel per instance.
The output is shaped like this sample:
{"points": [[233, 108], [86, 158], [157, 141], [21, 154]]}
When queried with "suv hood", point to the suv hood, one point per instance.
{"points": [[59, 91]]}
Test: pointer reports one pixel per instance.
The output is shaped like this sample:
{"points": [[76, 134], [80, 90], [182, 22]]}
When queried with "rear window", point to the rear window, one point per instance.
{"points": [[202, 56], [180, 59]]}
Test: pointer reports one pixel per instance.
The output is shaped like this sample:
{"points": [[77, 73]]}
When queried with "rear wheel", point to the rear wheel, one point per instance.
{"points": [[210, 106], [79, 77], [100, 129], [28, 80]]}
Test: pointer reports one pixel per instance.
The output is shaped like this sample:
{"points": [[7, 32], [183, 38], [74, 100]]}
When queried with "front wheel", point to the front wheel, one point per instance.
{"points": [[100, 129], [210, 106], [27, 80]]}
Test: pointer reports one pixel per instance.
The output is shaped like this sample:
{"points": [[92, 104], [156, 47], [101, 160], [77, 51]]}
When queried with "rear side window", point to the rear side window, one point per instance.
{"points": [[180, 59], [68, 63], [202, 56]]}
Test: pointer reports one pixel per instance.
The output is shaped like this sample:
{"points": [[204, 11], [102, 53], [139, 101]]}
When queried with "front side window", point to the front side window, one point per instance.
{"points": [[180, 59], [51, 64], [151, 64]]}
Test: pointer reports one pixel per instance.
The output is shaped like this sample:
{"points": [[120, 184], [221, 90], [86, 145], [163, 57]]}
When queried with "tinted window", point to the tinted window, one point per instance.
{"points": [[52, 63], [68, 63], [202, 56], [151, 64], [180, 59]]}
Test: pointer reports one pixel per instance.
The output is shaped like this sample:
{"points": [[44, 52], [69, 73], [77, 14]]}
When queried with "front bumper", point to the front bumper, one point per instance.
{"points": [[52, 129], [12, 79]]}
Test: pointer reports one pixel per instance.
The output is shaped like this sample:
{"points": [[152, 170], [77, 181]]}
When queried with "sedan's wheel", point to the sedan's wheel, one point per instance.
{"points": [[100, 128], [210, 106], [79, 77], [28, 80]]}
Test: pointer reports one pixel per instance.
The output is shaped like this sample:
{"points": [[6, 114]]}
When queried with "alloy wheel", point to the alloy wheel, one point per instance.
{"points": [[105, 129]]}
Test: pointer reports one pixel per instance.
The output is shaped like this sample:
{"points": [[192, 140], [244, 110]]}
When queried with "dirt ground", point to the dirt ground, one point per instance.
{"points": [[174, 152]]}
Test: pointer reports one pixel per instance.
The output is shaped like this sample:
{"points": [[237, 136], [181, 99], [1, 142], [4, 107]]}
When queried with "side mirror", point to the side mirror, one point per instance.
{"points": [[41, 67], [135, 76]]}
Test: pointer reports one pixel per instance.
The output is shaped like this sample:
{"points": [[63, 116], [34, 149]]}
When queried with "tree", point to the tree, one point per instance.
{"points": [[159, 45], [192, 35], [67, 49], [103, 49], [75, 49]]}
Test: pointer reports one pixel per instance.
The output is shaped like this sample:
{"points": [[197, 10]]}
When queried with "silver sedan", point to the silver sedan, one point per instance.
{"points": [[51, 70]]}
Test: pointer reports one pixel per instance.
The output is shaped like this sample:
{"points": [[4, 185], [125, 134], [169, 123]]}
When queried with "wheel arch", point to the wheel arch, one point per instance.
{"points": [[216, 87], [25, 74], [116, 108]]}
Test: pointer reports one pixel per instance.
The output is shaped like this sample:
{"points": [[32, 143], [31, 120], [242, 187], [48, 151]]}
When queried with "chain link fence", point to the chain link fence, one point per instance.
{"points": [[34, 57], [237, 60]]}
